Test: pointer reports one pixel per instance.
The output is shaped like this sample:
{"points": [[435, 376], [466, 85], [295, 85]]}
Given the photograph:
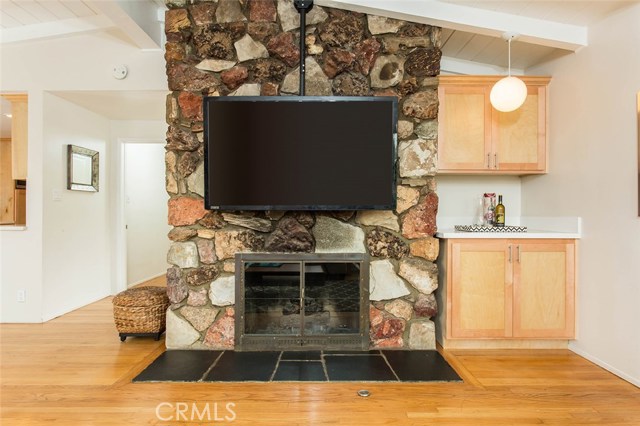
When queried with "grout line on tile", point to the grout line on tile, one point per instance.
{"points": [[324, 366], [390, 367], [273, 374], [211, 368]]}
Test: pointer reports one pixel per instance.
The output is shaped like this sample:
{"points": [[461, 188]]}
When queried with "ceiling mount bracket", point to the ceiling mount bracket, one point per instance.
{"points": [[510, 36]]}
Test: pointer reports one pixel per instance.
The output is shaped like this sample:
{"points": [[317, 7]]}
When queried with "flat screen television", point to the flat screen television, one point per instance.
{"points": [[300, 153]]}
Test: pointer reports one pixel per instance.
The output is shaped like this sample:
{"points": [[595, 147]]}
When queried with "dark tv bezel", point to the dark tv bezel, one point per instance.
{"points": [[295, 207]]}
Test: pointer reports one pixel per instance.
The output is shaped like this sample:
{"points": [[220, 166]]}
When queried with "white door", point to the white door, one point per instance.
{"points": [[145, 211]]}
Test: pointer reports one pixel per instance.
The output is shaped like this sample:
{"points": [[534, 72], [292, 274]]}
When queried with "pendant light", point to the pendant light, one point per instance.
{"points": [[509, 93]]}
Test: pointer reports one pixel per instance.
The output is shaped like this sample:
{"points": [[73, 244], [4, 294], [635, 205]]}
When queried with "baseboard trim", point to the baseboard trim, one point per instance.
{"points": [[61, 312], [146, 279], [504, 344], [600, 363]]}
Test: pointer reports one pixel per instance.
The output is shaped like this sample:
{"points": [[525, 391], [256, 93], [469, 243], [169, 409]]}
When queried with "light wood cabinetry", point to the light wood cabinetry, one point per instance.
{"points": [[481, 290], [507, 289], [544, 293], [7, 211], [19, 134], [20, 206], [473, 137]]}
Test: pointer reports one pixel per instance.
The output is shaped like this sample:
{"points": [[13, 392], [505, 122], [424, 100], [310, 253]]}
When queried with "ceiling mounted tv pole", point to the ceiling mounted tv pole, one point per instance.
{"points": [[303, 7]]}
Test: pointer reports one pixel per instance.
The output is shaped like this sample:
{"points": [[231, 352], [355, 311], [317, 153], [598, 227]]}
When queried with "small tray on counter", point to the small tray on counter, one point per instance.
{"points": [[484, 228]]}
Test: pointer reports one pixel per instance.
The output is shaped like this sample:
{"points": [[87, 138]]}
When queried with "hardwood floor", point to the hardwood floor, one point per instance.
{"points": [[74, 371]]}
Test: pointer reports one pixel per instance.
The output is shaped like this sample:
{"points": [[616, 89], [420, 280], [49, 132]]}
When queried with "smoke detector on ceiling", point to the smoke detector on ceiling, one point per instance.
{"points": [[120, 72]]}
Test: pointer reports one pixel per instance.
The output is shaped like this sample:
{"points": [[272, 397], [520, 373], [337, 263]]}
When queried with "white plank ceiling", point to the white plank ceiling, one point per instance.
{"points": [[567, 12], [16, 13], [484, 49], [26, 20]]}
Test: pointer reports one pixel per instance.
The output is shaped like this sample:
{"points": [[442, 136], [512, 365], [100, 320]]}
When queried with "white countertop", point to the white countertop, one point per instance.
{"points": [[12, 227], [452, 233], [537, 227]]}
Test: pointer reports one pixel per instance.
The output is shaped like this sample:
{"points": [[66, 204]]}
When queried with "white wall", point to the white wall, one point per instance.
{"points": [[73, 63], [76, 227], [145, 211], [460, 198], [593, 174], [21, 252]]}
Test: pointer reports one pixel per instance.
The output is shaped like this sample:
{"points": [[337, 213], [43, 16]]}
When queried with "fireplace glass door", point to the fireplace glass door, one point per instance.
{"points": [[331, 298], [272, 298], [301, 301]]}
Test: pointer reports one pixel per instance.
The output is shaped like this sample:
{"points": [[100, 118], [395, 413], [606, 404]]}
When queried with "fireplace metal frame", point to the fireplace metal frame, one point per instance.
{"points": [[302, 341]]}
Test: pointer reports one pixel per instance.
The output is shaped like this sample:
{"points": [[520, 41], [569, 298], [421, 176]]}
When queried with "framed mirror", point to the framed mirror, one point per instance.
{"points": [[82, 168]]}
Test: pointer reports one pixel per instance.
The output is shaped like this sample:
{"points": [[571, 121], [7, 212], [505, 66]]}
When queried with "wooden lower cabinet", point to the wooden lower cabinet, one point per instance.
{"points": [[507, 289], [544, 289], [481, 290]]}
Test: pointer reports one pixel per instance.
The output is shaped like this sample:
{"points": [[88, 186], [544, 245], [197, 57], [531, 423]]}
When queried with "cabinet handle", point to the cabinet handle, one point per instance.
{"points": [[509, 254], [518, 253], [488, 161], [495, 160]]}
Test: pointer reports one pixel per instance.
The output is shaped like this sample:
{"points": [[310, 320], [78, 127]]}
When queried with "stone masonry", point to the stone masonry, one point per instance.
{"points": [[250, 47]]}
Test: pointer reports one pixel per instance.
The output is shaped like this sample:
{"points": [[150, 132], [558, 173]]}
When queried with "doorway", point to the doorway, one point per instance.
{"points": [[145, 211]]}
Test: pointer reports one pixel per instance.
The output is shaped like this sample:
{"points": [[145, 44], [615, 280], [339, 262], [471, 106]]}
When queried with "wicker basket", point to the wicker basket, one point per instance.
{"points": [[140, 311]]}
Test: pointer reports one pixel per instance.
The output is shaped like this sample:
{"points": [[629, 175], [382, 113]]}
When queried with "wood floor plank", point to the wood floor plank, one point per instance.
{"points": [[74, 370]]}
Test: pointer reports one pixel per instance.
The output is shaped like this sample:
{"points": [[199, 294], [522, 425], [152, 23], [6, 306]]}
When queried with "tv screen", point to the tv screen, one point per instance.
{"points": [[300, 153]]}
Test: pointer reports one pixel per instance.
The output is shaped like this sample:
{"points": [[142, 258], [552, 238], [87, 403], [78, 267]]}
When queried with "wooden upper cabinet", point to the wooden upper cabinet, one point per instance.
{"points": [[473, 137], [465, 124], [19, 135]]}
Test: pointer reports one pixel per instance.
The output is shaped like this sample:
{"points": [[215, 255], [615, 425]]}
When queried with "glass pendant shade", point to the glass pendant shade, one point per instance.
{"points": [[508, 94]]}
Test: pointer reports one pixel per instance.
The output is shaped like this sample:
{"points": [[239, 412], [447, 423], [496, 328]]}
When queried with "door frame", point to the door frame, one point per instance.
{"points": [[119, 221]]}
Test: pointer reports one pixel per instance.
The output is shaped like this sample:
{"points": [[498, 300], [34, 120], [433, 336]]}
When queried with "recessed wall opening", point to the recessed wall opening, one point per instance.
{"points": [[13, 158]]}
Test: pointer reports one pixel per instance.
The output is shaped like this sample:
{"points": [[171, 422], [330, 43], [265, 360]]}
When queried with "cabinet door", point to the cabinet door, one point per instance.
{"points": [[20, 206], [19, 134], [464, 130], [7, 214], [519, 137], [544, 289], [481, 290]]}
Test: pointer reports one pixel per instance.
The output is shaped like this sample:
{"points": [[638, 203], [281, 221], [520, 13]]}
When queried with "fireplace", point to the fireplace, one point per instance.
{"points": [[302, 301]]}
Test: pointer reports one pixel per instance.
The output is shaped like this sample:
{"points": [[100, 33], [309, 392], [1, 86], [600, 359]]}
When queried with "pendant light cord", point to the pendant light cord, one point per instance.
{"points": [[510, 57]]}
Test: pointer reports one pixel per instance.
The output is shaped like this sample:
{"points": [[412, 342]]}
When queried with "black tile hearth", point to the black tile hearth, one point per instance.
{"points": [[303, 366], [244, 367], [301, 356], [370, 352], [358, 368], [179, 366], [419, 366], [300, 371]]}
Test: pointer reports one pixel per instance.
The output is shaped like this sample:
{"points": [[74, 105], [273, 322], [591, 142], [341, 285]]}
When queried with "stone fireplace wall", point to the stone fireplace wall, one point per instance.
{"points": [[250, 47]]}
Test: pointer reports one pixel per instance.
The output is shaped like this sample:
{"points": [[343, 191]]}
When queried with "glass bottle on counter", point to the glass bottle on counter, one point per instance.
{"points": [[499, 213]]}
